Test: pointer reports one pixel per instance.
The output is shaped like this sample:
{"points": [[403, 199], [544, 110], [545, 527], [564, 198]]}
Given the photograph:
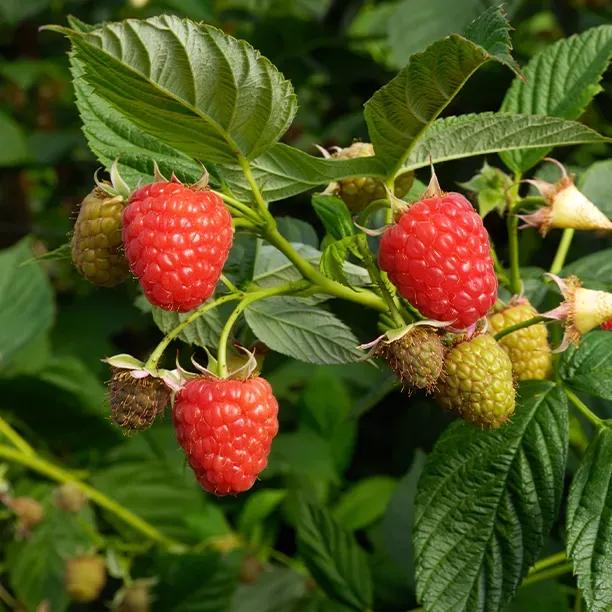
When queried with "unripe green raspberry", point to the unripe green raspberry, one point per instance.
{"points": [[358, 192], [136, 402], [416, 358], [527, 348], [97, 248], [85, 578], [134, 598], [29, 513], [476, 382], [70, 498]]}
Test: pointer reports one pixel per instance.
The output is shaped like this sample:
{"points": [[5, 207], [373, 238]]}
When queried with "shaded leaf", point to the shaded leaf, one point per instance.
{"points": [[292, 327], [559, 81], [334, 558], [589, 523], [365, 502], [588, 366], [26, 301], [334, 215], [486, 501], [400, 112]]}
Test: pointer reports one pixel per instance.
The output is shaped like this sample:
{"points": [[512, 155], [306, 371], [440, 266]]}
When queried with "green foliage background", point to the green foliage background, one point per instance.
{"points": [[330, 521]]}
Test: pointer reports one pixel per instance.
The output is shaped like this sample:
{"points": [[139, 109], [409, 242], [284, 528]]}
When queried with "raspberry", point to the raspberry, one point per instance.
{"points": [[176, 240], [85, 578], [527, 348], [70, 498], [97, 250], [134, 598], [358, 192], [136, 402], [607, 325], [226, 429], [416, 358], [477, 382], [29, 513], [437, 255]]}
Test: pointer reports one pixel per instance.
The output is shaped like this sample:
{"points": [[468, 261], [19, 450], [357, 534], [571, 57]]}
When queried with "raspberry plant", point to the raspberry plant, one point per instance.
{"points": [[404, 273]]}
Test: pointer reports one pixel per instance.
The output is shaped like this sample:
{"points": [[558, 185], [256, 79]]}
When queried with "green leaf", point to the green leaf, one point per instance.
{"points": [[364, 503], [162, 488], [204, 331], [490, 186], [272, 267], [334, 258], [203, 582], [478, 134], [561, 80], [26, 301], [588, 366], [589, 523], [284, 171], [302, 453], [490, 29], [486, 501], [334, 214], [326, 402], [109, 132], [399, 113], [296, 230], [212, 97], [297, 329], [334, 558], [415, 24], [258, 507], [14, 148], [37, 565], [546, 596], [595, 270], [595, 184], [399, 518], [278, 589]]}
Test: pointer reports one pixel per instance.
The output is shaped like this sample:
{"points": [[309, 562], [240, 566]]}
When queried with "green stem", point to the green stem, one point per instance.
{"points": [[153, 360], [522, 325], [564, 245], [58, 474], [239, 206], [16, 440], [377, 278], [545, 563], [248, 174], [308, 271], [248, 299], [553, 572], [516, 284], [583, 408], [229, 285]]}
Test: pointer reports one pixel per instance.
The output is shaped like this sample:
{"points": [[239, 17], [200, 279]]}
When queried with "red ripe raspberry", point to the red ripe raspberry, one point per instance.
{"points": [[607, 325], [176, 240], [437, 255], [226, 429]]}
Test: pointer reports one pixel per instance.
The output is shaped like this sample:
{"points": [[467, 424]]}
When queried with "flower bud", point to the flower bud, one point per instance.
{"points": [[582, 309], [566, 207]]}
